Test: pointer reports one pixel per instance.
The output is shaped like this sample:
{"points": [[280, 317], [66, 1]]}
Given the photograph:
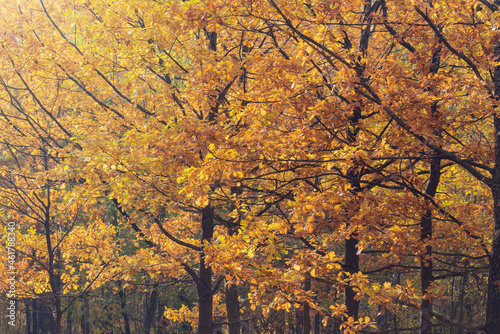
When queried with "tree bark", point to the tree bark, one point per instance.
{"points": [[69, 322], [123, 305], [28, 316], [54, 256], [317, 323], [35, 316], [426, 274], [492, 324], [204, 284], [463, 285], [232, 309], [351, 262], [351, 256], [85, 322], [299, 322], [306, 312], [151, 309], [57, 291]]}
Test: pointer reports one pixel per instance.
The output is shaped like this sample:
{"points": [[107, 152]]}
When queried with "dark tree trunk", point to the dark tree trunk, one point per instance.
{"points": [[351, 256], [426, 274], [204, 284], [306, 313], [46, 319], [351, 262], [28, 316], [85, 321], [232, 301], [57, 301], [205, 298], [35, 316], [123, 305], [232, 309], [151, 309], [299, 321], [69, 322], [54, 258], [335, 327], [492, 325], [204, 281], [317, 323], [460, 306]]}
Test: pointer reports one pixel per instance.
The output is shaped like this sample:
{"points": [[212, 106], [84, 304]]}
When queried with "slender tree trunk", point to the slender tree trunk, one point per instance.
{"points": [[28, 316], [55, 258], [57, 291], [463, 284], [85, 324], [317, 323], [492, 325], [306, 312], [351, 255], [151, 309], [205, 298], [335, 327], [232, 309], [46, 318], [382, 318], [452, 299], [123, 305], [426, 274], [204, 285], [232, 301], [54, 278], [299, 321], [351, 262], [69, 322], [35, 316]]}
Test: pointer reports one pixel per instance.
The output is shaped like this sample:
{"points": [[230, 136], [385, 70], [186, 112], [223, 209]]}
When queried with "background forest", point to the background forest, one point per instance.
{"points": [[250, 166]]}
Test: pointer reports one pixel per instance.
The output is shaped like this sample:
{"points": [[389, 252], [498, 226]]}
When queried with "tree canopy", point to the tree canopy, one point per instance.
{"points": [[251, 166]]}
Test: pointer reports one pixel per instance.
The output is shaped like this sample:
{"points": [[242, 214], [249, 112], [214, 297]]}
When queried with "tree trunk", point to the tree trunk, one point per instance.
{"points": [[35, 316], [351, 262], [204, 284], [28, 316], [299, 321], [306, 313], [426, 275], [463, 285], [232, 309], [59, 315], [85, 324], [69, 322], [151, 309], [46, 319], [317, 323], [492, 325], [351, 256], [123, 305]]}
